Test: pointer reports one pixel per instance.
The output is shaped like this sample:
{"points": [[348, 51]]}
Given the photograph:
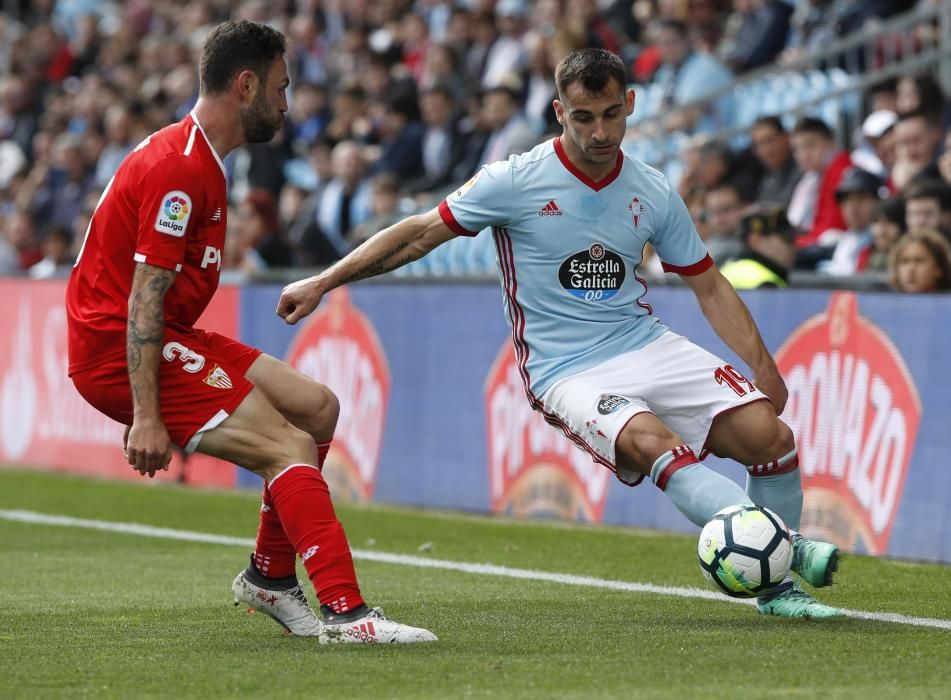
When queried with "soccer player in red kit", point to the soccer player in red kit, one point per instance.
{"points": [[148, 268]]}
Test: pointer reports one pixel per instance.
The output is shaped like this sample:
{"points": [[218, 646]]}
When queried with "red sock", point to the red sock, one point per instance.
{"points": [[307, 515], [274, 555], [322, 449]]}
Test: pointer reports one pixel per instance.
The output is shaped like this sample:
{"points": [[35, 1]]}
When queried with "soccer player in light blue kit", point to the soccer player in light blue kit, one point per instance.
{"points": [[570, 219]]}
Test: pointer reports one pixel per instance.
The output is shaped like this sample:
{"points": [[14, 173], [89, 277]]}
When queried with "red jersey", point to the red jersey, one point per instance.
{"points": [[165, 206]]}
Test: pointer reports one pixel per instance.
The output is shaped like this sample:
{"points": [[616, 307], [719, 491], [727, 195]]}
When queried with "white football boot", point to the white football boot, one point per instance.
{"points": [[370, 626], [282, 600]]}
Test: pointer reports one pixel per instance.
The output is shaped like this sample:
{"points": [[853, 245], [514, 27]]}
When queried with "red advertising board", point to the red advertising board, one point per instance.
{"points": [[855, 410], [44, 422], [338, 346], [534, 471]]}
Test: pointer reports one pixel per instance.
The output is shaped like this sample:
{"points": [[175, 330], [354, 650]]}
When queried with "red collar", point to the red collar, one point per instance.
{"points": [[574, 170]]}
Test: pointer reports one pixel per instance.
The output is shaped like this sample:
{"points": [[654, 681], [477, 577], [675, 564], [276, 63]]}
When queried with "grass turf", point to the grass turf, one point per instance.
{"points": [[110, 615]]}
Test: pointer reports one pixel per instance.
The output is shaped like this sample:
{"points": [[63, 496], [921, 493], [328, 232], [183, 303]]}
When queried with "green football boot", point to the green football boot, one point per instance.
{"points": [[791, 601], [814, 561]]}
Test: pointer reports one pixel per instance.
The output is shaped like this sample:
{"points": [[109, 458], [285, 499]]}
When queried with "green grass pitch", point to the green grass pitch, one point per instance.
{"points": [[97, 614]]}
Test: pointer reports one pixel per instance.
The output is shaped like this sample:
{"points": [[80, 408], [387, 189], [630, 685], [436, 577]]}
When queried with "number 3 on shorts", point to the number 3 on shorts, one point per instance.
{"points": [[733, 379], [191, 360]]}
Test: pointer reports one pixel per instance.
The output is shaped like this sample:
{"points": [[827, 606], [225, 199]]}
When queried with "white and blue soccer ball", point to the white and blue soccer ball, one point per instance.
{"points": [[745, 551]]}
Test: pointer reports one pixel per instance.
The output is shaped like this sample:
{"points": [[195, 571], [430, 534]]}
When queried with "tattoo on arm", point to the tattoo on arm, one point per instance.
{"points": [[146, 330], [383, 263]]}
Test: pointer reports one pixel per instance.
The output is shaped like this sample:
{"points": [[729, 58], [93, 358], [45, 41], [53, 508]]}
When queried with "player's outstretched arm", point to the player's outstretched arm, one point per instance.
{"points": [[403, 242], [147, 442], [731, 320]]}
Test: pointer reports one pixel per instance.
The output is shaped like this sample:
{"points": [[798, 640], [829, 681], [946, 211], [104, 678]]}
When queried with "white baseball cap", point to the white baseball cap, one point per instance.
{"points": [[877, 123]]}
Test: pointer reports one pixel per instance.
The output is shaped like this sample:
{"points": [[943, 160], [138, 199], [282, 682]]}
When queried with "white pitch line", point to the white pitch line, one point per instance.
{"points": [[27, 516]]}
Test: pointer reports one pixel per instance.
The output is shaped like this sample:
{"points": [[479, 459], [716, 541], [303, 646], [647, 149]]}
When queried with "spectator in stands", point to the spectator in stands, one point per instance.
{"points": [[119, 142], [769, 251], [308, 50], [442, 68], [482, 35], [384, 207], [56, 192], [474, 130], [876, 152], [312, 248], [813, 208], [920, 262], [19, 112], [308, 115], [709, 26], [349, 121], [401, 135], [888, 227], [686, 76], [505, 58], [545, 51], [763, 26], [57, 258], [345, 201], [718, 164], [773, 150], [920, 93], [858, 197], [928, 205], [22, 249], [262, 243], [442, 143], [585, 19], [508, 131], [723, 208], [917, 144]]}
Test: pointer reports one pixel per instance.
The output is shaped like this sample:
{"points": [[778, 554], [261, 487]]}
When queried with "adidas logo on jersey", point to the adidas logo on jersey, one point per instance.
{"points": [[550, 209]]}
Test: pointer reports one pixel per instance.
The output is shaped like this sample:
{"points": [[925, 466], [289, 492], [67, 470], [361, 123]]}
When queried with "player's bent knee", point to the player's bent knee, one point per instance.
{"points": [[327, 407], [281, 449], [639, 449]]}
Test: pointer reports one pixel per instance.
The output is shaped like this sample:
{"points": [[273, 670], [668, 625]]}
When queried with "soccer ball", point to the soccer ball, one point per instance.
{"points": [[745, 551]]}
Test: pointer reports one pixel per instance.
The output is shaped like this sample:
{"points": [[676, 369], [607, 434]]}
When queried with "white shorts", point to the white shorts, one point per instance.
{"points": [[682, 384]]}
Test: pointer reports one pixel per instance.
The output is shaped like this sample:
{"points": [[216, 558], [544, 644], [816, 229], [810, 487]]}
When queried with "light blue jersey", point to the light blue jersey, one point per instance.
{"points": [[568, 250]]}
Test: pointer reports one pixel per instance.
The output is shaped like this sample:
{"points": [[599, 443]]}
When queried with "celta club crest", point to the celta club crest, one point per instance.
{"points": [[637, 208]]}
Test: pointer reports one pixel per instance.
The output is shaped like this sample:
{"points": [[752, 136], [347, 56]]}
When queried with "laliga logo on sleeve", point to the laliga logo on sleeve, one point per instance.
{"points": [[173, 216]]}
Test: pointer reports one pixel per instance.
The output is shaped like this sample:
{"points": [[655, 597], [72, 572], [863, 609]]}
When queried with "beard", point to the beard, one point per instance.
{"points": [[258, 125]]}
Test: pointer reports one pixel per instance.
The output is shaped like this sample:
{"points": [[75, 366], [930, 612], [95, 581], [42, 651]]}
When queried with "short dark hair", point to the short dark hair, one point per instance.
{"points": [[930, 119], [771, 121], [592, 68], [929, 188], [233, 47], [813, 125], [893, 211]]}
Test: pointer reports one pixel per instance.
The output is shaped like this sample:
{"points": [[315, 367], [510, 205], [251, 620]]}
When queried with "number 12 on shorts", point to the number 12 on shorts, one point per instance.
{"points": [[730, 377]]}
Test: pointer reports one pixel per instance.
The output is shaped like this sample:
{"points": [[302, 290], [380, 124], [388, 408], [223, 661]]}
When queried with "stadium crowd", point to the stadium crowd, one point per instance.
{"points": [[393, 102]]}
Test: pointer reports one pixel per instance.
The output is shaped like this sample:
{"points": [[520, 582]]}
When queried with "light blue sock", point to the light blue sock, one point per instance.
{"points": [[698, 492], [781, 493]]}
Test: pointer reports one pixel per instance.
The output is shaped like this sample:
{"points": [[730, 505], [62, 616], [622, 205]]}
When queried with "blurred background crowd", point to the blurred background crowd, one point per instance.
{"points": [[793, 161]]}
